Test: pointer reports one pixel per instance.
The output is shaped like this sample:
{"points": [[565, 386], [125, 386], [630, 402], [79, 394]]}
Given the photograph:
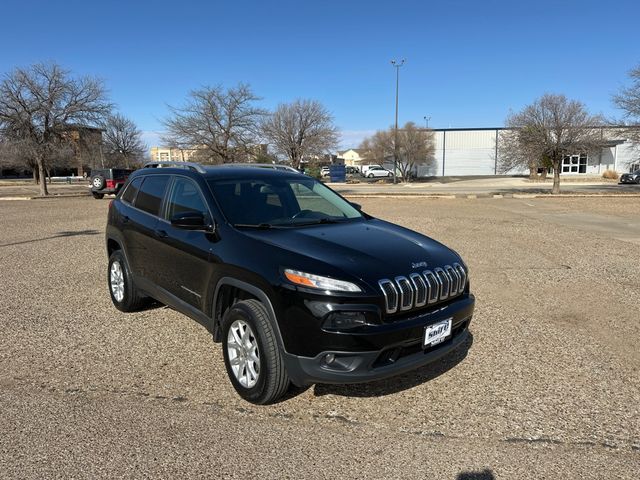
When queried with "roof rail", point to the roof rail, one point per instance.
{"points": [[196, 167], [273, 166]]}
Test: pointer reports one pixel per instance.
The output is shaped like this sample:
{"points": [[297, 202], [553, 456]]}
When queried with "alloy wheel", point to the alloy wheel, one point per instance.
{"points": [[242, 350], [116, 280]]}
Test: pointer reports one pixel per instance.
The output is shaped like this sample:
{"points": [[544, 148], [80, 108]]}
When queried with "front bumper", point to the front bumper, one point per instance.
{"points": [[399, 349]]}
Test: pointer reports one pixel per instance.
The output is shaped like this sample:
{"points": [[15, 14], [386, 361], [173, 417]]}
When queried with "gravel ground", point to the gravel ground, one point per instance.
{"points": [[548, 387]]}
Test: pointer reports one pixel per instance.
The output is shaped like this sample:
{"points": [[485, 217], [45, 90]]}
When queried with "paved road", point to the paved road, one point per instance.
{"points": [[549, 387]]}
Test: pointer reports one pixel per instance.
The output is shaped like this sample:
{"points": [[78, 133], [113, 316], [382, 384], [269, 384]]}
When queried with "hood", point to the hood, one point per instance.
{"points": [[367, 250]]}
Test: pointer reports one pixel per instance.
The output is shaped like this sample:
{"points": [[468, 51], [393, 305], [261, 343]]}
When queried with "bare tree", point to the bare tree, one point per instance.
{"points": [[122, 141], [301, 129], [223, 123], [38, 103], [416, 146], [628, 100], [515, 155], [551, 128]]}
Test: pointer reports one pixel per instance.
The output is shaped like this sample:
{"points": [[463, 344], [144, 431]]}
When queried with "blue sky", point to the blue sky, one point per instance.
{"points": [[467, 63]]}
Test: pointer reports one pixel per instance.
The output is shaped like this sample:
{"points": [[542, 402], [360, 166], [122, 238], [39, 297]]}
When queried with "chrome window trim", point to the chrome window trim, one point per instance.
{"points": [[386, 297]]}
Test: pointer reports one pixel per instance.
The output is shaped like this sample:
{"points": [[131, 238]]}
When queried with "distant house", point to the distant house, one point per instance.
{"points": [[353, 157]]}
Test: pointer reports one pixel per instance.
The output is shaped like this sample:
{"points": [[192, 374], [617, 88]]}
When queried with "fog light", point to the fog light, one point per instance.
{"points": [[329, 358], [345, 320]]}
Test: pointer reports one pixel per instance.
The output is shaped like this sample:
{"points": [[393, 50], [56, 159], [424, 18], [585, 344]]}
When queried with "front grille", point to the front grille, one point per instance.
{"points": [[418, 289]]}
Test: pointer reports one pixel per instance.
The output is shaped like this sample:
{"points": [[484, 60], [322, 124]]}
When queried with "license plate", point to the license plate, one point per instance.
{"points": [[437, 333]]}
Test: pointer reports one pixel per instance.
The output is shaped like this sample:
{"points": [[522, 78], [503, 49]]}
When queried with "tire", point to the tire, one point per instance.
{"points": [[263, 381], [98, 196], [98, 182], [390, 174], [370, 175], [124, 294]]}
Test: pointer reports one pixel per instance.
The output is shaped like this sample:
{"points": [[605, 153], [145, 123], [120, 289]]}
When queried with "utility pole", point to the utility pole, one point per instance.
{"points": [[397, 65]]}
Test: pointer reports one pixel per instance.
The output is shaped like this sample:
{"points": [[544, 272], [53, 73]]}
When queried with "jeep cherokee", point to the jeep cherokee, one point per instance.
{"points": [[298, 284]]}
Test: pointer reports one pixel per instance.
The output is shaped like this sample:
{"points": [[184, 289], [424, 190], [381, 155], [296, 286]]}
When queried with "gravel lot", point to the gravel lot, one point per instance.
{"points": [[549, 386]]}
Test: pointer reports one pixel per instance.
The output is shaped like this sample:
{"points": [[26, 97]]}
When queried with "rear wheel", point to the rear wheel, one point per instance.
{"points": [[124, 294], [251, 354], [370, 175]]}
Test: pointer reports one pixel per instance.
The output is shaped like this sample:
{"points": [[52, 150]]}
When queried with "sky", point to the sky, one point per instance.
{"points": [[468, 64]]}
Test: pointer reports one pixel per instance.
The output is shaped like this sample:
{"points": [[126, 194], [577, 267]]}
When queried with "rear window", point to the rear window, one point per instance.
{"points": [[120, 174], [129, 194], [150, 195]]}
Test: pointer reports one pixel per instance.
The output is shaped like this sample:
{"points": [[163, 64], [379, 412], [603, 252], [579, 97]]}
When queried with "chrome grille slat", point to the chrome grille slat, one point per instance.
{"points": [[406, 293], [463, 276], [390, 294], [419, 289], [455, 280], [444, 281], [434, 286]]}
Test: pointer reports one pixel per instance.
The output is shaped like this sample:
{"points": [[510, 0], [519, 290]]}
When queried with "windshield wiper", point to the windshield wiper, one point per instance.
{"points": [[261, 226], [317, 222]]}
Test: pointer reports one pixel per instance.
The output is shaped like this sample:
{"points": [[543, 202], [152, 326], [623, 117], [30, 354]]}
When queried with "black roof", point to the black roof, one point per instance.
{"points": [[226, 171]]}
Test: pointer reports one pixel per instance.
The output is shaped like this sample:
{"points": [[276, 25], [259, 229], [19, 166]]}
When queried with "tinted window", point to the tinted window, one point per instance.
{"points": [[185, 197], [130, 193], [150, 195]]}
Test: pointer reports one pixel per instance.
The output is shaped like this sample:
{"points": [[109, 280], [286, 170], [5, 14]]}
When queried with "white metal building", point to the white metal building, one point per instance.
{"points": [[476, 151]]}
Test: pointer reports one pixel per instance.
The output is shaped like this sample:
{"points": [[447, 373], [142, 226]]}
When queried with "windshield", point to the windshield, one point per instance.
{"points": [[280, 202]]}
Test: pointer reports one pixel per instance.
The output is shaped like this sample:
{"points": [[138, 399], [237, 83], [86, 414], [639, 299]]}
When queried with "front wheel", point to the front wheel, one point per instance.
{"points": [[251, 354], [390, 174]]}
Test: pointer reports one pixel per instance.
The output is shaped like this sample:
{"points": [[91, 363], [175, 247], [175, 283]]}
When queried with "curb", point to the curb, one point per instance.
{"points": [[474, 196]]}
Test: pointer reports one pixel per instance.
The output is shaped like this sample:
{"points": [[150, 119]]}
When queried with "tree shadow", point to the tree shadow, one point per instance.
{"points": [[485, 474], [401, 382], [63, 234]]}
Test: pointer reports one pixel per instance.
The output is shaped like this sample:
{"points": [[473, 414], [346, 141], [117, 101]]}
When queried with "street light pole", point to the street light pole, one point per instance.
{"points": [[426, 121], [397, 65]]}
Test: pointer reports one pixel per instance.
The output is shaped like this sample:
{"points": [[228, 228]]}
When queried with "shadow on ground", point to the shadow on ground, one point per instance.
{"points": [[57, 235], [485, 474], [401, 382]]}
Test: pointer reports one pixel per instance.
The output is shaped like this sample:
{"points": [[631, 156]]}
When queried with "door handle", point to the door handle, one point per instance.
{"points": [[161, 234]]}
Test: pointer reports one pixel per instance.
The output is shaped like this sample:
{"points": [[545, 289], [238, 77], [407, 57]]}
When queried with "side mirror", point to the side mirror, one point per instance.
{"points": [[355, 205], [191, 221]]}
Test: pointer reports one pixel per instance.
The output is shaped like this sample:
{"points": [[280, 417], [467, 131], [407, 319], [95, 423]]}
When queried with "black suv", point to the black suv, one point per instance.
{"points": [[297, 283], [108, 181]]}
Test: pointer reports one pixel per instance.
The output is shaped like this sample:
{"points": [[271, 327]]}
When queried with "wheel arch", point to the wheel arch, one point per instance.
{"points": [[227, 291]]}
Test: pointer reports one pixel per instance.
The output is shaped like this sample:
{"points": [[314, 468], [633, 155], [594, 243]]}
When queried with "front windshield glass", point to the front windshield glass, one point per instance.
{"points": [[280, 202]]}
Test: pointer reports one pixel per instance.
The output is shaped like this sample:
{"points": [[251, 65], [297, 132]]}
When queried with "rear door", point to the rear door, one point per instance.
{"points": [[140, 231]]}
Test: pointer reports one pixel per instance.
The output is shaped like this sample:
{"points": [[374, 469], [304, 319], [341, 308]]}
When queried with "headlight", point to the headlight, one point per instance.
{"points": [[321, 283]]}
